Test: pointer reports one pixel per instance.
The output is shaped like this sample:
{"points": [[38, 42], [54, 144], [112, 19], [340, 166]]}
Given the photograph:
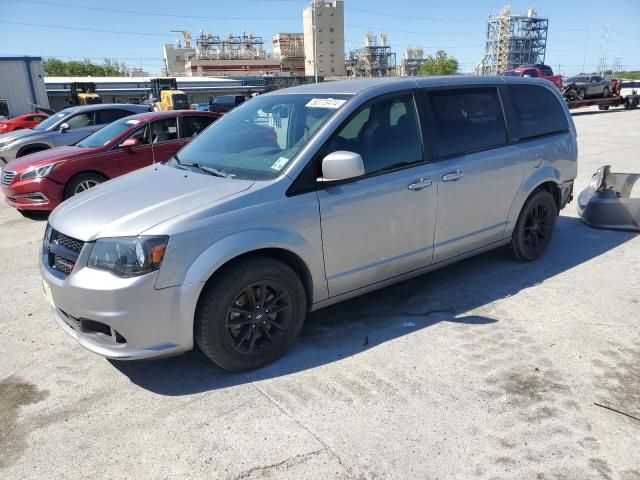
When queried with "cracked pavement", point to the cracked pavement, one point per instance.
{"points": [[486, 369]]}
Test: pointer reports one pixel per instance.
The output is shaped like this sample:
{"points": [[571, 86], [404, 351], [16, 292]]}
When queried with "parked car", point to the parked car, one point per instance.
{"points": [[537, 70], [28, 120], [64, 128], [42, 180], [230, 243], [629, 87], [589, 86]]}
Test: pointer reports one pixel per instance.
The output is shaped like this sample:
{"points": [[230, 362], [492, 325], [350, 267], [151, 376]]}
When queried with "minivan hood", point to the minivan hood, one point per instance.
{"points": [[51, 155], [129, 205]]}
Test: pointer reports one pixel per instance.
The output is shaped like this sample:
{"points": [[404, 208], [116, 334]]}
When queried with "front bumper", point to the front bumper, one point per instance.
{"points": [[609, 204], [40, 194], [121, 318]]}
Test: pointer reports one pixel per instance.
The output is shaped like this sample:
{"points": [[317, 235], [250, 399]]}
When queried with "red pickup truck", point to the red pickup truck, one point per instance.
{"points": [[536, 71]]}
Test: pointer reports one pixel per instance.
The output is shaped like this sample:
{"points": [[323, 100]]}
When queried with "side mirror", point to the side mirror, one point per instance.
{"points": [[341, 165], [130, 142], [63, 127]]}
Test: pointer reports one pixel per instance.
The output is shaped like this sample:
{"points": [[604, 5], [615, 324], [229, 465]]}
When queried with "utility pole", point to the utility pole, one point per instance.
{"points": [[586, 44], [606, 47]]}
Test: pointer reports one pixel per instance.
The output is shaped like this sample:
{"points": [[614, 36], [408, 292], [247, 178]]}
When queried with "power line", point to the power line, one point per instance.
{"points": [[83, 29], [408, 31], [147, 13], [413, 17], [86, 29]]}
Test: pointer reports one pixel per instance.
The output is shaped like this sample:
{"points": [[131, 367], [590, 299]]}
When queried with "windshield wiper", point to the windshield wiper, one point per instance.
{"points": [[210, 170]]}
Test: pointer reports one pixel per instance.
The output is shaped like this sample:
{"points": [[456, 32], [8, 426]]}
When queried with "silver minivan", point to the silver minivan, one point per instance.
{"points": [[302, 198]]}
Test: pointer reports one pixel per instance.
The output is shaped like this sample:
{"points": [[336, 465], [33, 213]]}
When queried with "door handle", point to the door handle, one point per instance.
{"points": [[453, 176], [419, 184]]}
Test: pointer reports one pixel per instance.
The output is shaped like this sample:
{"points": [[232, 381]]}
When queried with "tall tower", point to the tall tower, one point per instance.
{"points": [[514, 40], [323, 25]]}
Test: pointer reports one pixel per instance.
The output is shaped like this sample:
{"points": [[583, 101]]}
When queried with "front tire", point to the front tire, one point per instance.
{"points": [[81, 183], [250, 313], [582, 93], [535, 225]]}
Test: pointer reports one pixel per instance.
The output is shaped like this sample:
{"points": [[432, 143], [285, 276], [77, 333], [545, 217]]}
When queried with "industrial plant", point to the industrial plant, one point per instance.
{"points": [[374, 59], [514, 40]]}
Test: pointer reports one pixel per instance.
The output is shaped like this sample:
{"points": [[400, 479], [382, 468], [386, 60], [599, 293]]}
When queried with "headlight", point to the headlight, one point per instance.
{"points": [[128, 256], [40, 172]]}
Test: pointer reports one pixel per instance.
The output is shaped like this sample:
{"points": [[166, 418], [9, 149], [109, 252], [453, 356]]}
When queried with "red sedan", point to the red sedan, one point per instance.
{"points": [[42, 180], [28, 120]]}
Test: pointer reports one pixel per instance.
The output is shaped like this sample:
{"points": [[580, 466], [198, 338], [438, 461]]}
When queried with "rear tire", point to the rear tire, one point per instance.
{"points": [[250, 313], [581, 94], [534, 228], [603, 107], [81, 183]]}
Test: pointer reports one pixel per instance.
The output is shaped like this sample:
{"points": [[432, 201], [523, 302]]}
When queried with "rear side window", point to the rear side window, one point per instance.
{"points": [[194, 125], [467, 120], [538, 111], [108, 116]]}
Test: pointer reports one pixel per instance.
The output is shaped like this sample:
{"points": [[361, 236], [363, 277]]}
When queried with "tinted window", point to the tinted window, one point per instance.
{"points": [[385, 133], [546, 71], [108, 116], [538, 111], [164, 130], [194, 125], [467, 120], [532, 72], [79, 121], [596, 79]]}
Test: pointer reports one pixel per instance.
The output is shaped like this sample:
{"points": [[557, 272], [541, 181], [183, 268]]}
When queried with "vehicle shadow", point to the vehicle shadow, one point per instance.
{"points": [[349, 328]]}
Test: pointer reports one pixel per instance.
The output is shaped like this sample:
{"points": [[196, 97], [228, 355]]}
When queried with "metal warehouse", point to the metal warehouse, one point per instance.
{"points": [[21, 85], [136, 89]]}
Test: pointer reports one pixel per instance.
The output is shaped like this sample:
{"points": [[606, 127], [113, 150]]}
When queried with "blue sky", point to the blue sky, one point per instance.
{"points": [[457, 26]]}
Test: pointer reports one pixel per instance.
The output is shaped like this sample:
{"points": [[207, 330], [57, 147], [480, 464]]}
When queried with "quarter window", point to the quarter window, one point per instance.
{"points": [[467, 120], [385, 133], [538, 111]]}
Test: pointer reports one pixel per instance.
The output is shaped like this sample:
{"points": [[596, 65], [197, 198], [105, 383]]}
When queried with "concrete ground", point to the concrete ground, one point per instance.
{"points": [[486, 369]]}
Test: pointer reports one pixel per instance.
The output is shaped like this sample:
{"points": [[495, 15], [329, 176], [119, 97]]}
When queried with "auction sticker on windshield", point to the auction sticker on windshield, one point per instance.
{"points": [[47, 293], [280, 163], [325, 103]]}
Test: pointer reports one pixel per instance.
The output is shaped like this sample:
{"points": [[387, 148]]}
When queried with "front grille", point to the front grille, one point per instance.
{"points": [[62, 264], [62, 251], [7, 178], [68, 242]]}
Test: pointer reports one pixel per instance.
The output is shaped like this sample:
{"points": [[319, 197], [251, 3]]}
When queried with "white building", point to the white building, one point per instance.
{"points": [[21, 85], [323, 25], [175, 57]]}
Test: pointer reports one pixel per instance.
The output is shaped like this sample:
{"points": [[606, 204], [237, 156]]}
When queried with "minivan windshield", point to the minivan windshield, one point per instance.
{"points": [[106, 134], [51, 121], [258, 139]]}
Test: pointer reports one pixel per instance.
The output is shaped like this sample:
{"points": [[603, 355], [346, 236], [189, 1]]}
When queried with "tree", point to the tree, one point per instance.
{"points": [[54, 67], [442, 64]]}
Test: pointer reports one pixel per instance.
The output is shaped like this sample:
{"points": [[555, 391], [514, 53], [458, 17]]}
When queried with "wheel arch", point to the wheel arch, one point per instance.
{"points": [[548, 179], [38, 147], [289, 258], [83, 172]]}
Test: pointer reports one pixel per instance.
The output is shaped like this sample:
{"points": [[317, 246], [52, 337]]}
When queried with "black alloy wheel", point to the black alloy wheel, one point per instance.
{"points": [[535, 226], [258, 317], [250, 313]]}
